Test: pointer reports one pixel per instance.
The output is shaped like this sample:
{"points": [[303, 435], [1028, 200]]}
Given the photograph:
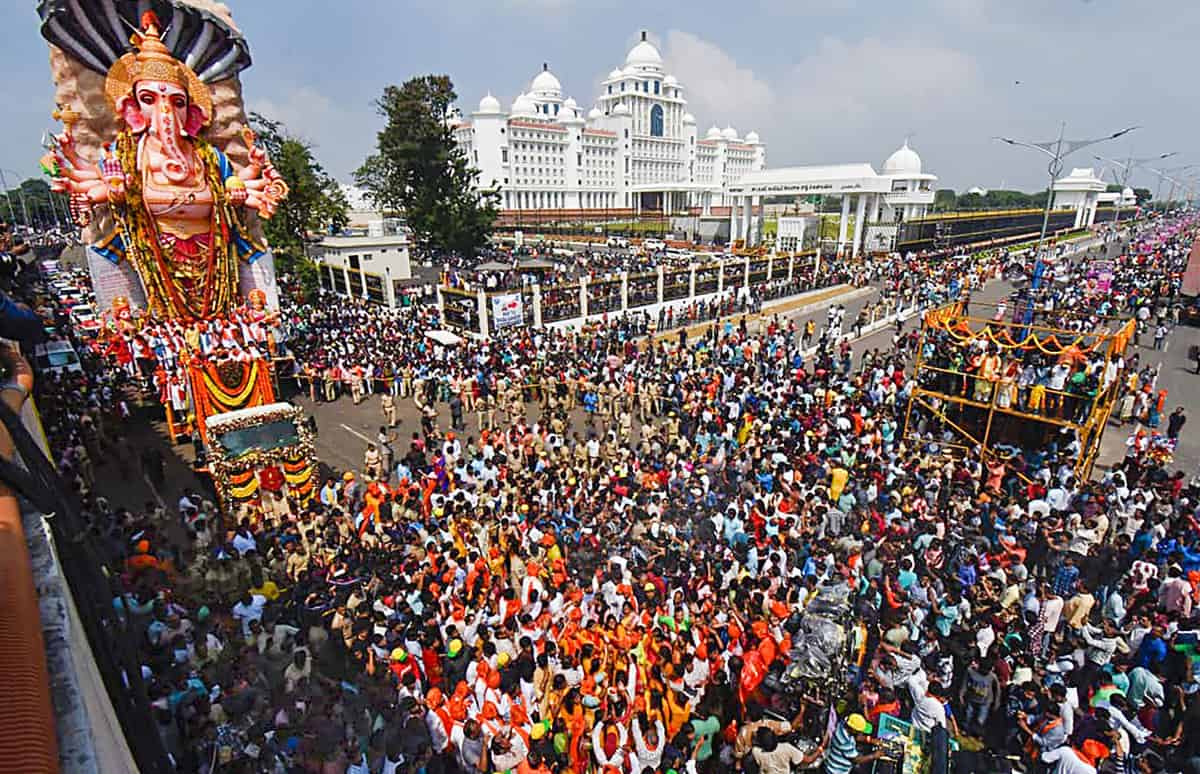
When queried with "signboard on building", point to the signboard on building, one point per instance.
{"points": [[508, 310]]}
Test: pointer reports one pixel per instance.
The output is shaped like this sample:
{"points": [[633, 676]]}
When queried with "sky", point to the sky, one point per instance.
{"points": [[821, 82]]}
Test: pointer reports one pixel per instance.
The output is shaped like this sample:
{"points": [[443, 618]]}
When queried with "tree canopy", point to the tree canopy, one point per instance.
{"points": [[418, 168], [31, 203], [315, 203]]}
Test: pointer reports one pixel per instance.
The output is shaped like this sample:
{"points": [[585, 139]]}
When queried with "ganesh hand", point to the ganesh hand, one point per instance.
{"points": [[235, 189], [114, 178]]}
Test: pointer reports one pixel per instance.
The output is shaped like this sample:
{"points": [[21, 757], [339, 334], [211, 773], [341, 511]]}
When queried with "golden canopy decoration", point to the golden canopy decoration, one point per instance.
{"points": [[153, 61]]}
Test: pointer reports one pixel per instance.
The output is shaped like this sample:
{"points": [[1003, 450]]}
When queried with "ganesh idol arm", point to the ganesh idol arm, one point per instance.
{"points": [[258, 185]]}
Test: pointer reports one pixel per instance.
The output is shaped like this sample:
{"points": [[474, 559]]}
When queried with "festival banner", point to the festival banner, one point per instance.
{"points": [[507, 310]]}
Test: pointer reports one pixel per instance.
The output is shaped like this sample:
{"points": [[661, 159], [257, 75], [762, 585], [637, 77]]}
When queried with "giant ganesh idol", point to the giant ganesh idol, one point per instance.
{"points": [[172, 218]]}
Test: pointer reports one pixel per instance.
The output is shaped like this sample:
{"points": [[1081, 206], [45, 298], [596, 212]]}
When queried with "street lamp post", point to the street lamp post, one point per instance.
{"points": [[1127, 168], [1057, 150], [12, 215], [20, 194], [1165, 174]]}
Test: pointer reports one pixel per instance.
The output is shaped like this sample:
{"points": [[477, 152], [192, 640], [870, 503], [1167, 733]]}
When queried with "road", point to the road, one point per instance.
{"points": [[345, 428]]}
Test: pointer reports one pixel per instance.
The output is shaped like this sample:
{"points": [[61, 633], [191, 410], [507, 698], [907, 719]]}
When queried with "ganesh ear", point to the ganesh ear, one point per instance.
{"points": [[195, 121], [131, 114]]}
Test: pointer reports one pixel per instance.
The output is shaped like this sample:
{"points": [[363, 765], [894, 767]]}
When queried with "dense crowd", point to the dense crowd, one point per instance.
{"points": [[606, 567]]}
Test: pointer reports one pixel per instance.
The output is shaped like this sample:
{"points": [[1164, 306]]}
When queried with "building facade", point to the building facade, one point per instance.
{"points": [[374, 267], [636, 149]]}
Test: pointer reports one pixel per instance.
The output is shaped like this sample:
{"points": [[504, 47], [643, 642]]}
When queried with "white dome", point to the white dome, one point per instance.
{"points": [[570, 103], [1128, 193], [594, 113], [670, 80], [688, 118], [489, 104], [545, 83], [729, 133], [616, 75], [904, 161], [644, 56], [523, 106], [752, 138], [620, 110], [713, 133]]}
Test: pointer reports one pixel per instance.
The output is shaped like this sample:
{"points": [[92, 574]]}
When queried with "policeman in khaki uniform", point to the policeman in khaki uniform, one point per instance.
{"points": [[388, 405]]}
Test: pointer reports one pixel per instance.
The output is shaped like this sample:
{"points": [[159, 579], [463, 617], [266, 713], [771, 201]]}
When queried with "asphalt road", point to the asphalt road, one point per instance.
{"points": [[344, 429]]}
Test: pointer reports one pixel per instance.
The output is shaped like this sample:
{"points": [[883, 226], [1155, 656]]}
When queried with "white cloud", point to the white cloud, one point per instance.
{"points": [[846, 100], [717, 88], [868, 79], [339, 135]]}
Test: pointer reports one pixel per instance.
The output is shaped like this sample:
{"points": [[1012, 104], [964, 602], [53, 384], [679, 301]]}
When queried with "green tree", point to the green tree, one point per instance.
{"points": [[315, 203], [945, 200], [418, 168], [32, 204]]}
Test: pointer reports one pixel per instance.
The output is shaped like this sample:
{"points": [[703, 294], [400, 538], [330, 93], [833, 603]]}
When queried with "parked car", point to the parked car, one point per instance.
{"points": [[652, 245], [84, 318], [57, 357]]}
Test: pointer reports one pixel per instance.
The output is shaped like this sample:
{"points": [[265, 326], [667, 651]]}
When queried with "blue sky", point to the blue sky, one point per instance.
{"points": [[821, 82]]}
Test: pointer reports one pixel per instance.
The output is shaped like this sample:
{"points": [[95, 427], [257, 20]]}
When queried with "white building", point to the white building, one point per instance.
{"points": [[637, 148], [1081, 192], [881, 200], [372, 267]]}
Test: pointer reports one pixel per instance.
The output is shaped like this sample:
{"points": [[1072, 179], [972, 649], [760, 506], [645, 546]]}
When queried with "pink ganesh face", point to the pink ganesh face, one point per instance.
{"points": [[165, 110]]}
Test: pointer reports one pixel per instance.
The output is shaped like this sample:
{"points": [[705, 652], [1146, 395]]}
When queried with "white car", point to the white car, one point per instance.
{"points": [[84, 318], [57, 357], [652, 245]]}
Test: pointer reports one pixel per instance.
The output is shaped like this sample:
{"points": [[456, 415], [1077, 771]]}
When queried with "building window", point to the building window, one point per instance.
{"points": [[656, 120], [610, 88], [354, 262], [656, 87], [504, 155], [622, 85]]}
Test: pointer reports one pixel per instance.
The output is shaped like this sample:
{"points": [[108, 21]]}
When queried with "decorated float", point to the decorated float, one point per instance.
{"points": [[265, 450], [164, 175]]}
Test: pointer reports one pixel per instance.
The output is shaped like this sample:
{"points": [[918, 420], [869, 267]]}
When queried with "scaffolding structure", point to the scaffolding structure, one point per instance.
{"points": [[966, 389]]}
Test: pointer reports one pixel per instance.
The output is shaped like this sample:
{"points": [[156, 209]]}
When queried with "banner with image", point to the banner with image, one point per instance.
{"points": [[507, 310]]}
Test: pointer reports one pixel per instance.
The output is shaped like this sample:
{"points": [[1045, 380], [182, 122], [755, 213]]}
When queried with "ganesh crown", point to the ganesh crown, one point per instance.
{"points": [[151, 60]]}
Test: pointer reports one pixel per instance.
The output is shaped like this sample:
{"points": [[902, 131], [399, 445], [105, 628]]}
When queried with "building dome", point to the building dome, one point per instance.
{"points": [[670, 80], [752, 138], [729, 133], [713, 133], [620, 110], [594, 113], [545, 83], [616, 75], [523, 106], [570, 103], [904, 161], [688, 118], [489, 104], [644, 56]]}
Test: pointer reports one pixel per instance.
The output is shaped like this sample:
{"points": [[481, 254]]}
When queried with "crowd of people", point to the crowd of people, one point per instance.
{"points": [[604, 568]]}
